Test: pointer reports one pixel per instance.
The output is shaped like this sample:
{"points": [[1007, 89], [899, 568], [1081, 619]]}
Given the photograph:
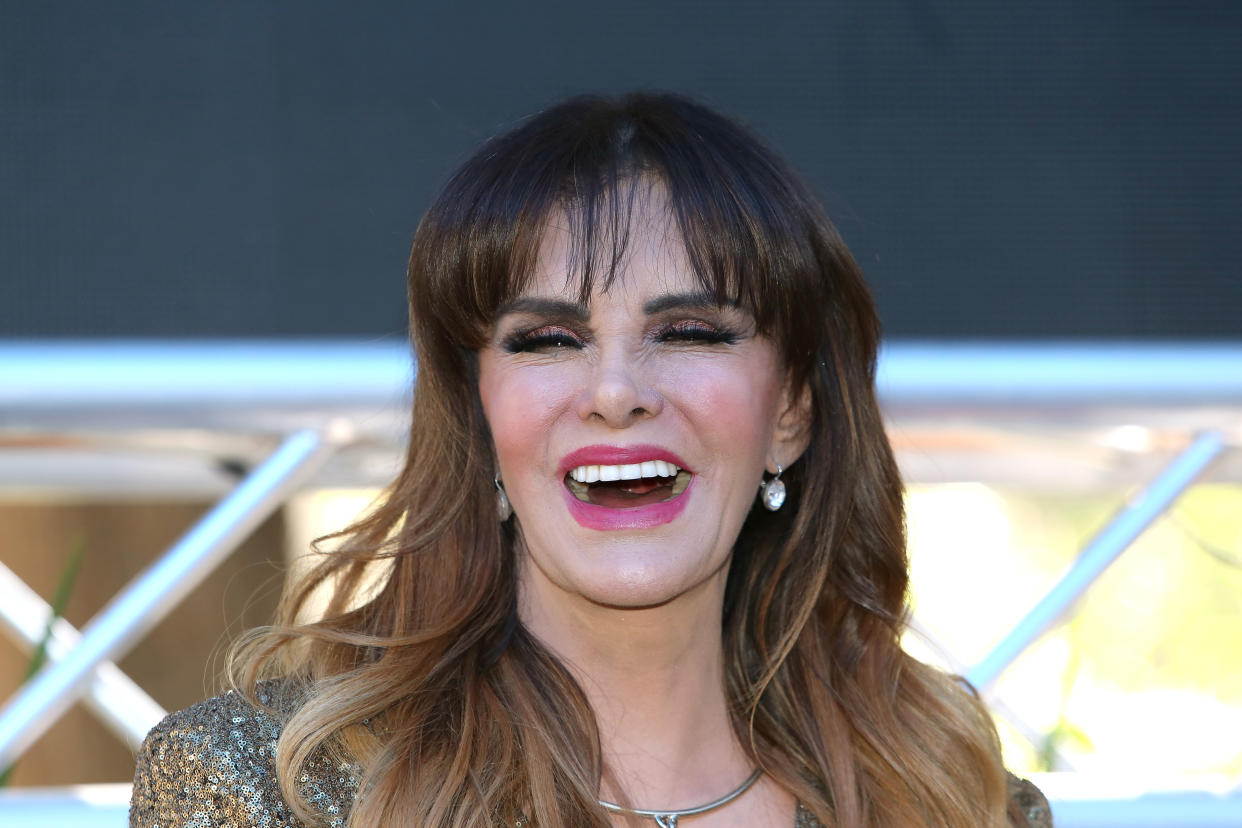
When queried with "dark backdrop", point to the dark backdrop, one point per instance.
{"points": [[219, 169]]}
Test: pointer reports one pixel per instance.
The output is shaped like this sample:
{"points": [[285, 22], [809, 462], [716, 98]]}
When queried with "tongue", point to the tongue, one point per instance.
{"points": [[629, 493]]}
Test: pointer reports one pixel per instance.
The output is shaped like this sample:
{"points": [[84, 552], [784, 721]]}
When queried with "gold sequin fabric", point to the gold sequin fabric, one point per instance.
{"points": [[1027, 801], [803, 819], [213, 766]]}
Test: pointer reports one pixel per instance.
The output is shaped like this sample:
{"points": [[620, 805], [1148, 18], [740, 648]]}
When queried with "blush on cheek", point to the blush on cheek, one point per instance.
{"points": [[741, 404], [520, 412]]}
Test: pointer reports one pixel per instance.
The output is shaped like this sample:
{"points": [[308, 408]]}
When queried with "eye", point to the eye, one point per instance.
{"points": [[695, 331], [546, 338]]}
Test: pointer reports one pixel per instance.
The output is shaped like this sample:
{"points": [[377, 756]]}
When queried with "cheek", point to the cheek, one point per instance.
{"points": [[520, 407], [738, 406]]}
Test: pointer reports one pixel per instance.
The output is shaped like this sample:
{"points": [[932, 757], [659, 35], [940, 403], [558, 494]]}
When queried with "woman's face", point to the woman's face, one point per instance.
{"points": [[631, 432]]}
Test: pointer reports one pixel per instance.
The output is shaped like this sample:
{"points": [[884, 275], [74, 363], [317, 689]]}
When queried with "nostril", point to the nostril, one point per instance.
{"points": [[619, 397]]}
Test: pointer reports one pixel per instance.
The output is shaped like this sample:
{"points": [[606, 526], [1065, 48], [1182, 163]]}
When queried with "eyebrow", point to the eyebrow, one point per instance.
{"points": [[577, 311], [541, 306], [701, 300]]}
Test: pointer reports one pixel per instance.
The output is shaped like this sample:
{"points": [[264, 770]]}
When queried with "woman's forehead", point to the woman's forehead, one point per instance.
{"points": [[642, 252]]}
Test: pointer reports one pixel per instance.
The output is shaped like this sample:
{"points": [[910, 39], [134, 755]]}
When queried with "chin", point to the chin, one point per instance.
{"points": [[647, 582], [632, 596], [625, 569]]}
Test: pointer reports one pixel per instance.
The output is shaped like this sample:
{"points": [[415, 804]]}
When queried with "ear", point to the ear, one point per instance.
{"points": [[792, 432]]}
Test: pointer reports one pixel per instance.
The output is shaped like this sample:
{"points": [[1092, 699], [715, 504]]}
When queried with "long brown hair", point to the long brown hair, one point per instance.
{"points": [[430, 683]]}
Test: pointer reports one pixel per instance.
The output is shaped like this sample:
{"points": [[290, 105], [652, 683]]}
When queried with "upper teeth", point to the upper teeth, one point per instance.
{"points": [[630, 471]]}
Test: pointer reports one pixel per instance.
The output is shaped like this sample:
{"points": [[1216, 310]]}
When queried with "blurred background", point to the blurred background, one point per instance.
{"points": [[206, 211]]}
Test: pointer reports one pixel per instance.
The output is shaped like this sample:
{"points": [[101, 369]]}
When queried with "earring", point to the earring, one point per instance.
{"points": [[503, 507], [772, 492]]}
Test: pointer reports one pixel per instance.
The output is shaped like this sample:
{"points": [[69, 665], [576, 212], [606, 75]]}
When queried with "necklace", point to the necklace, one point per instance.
{"points": [[668, 819]]}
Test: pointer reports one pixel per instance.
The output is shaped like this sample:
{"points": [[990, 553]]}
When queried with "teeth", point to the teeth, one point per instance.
{"points": [[629, 471]]}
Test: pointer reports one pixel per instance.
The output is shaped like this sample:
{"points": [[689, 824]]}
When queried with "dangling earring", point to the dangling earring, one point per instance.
{"points": [[503, 507], [772, 492]]}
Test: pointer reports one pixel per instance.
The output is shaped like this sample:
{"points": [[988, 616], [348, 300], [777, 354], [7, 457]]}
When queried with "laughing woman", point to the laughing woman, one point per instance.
{"points": [[645, 563]]}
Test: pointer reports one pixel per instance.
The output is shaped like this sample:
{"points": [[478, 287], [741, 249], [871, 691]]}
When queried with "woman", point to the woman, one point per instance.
{"points": [[645, 562]]}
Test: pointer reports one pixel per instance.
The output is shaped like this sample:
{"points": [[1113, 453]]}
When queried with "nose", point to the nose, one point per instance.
{"points": [[619, 392]]}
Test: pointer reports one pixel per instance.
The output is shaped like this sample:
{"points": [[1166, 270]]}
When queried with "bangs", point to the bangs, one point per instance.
{"points": [[745, 221]]}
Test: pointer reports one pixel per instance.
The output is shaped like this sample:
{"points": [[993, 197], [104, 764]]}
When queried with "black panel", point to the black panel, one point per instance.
{"points": [[243, 169]]}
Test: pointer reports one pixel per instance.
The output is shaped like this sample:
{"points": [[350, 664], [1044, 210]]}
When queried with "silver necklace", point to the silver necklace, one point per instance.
{"points": [[668, 819]]}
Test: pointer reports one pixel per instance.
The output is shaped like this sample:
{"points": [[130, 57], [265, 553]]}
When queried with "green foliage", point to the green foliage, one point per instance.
{"points": [[1145, 672], [1064, 735], [60, 600]]}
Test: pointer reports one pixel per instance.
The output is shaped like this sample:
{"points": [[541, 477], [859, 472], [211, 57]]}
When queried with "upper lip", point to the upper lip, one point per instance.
{"points": [[617, 456]]}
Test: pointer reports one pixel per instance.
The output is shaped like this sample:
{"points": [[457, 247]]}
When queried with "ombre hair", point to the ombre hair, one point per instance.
{"points": [[427, 680]]}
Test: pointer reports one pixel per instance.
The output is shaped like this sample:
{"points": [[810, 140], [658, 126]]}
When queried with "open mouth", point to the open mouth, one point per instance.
{"points": [[629, 485]]}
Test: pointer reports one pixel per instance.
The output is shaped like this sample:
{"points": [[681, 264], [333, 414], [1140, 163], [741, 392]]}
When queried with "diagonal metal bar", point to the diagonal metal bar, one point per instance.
{"points": [[123, 706], [150, 596], [1105, 548], [996, 704]]}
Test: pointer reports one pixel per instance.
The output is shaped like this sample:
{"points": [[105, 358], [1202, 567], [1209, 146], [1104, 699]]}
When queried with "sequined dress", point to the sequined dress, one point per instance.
{"points": [[213, 766]]}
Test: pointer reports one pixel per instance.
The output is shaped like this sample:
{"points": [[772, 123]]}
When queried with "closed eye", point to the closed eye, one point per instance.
{"points": [[697, 332], [546, 338]]}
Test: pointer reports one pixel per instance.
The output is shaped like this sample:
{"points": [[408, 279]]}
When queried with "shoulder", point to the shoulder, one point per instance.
{"points": [[1028, 808], [214, 764], [1027, 802]]}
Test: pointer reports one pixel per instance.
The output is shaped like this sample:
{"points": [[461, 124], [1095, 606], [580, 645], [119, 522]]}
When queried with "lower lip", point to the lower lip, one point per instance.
{"points": [[605, 519]]}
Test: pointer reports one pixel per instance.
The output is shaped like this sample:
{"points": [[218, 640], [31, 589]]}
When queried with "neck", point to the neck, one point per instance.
{"points": [[654, 677]]}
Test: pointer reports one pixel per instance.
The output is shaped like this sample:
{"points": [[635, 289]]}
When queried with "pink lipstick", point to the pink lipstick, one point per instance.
{"points": [[615, 515]]}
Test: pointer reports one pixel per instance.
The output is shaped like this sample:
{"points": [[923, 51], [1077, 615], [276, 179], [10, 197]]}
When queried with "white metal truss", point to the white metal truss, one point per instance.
{"points": [[294, 414]]}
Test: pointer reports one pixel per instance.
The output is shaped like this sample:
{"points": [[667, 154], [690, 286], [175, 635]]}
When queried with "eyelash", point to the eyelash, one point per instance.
{"points": [[555, 337], [540, 339], [698, 332]]}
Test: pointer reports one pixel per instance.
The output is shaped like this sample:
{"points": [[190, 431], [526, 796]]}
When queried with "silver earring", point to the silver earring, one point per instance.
{"points": [[503, 507], [772, 492]]}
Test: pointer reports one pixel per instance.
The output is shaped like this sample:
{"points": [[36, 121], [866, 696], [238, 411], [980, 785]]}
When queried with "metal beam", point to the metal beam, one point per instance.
{"points": [[69, 376], [1114, 539], [1052, 374], [123, 706], [150, 596]]}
